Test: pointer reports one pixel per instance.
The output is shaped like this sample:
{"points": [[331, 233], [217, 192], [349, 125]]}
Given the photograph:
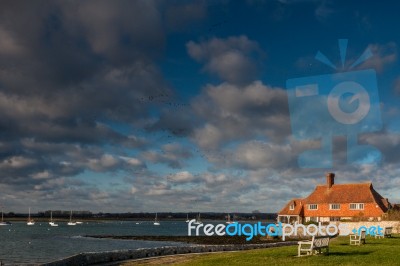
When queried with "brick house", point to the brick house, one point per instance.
{"points": [[334, 202]]}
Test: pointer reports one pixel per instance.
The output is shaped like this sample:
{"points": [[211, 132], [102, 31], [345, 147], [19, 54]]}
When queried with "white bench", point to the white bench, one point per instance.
{"points": [[357, 239], [387, 232], [314, 246]]}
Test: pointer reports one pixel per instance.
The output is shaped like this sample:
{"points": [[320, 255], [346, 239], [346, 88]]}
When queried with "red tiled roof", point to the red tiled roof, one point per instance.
{"points": [[339, 193], [298, 208], [345, 193]]}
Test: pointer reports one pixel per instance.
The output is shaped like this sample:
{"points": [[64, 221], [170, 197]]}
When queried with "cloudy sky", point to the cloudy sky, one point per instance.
{"points": [[179, 105]]}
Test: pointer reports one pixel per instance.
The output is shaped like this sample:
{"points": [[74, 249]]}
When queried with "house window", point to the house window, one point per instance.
{"points": [[313, 206], [356, 206], [291, 207], [334, 206]]}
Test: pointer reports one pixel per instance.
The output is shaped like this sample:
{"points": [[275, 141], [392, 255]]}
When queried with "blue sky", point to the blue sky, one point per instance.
{"points": [[180, 105]]}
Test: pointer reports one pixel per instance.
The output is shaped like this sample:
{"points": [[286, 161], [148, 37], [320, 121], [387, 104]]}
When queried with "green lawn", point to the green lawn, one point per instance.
{"points": [[374, 252]]}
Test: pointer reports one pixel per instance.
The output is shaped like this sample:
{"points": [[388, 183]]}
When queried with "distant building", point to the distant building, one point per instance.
{"points": [[334, 202]]}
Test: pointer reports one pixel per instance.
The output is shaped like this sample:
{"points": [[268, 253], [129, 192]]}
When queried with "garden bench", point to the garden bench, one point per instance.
{"points": [[318, 245], [387, 232], [356, 239]]}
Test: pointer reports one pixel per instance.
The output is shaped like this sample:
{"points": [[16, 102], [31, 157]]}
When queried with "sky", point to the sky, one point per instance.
{"points": [[181, 106]]}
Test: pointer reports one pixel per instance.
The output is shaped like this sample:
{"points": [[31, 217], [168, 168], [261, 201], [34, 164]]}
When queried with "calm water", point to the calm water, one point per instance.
{"points": [[22, 244]]}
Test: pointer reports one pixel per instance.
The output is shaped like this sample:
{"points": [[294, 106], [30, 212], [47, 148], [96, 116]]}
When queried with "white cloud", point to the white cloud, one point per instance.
{"points": [[214, 178], [230, 59], [181, 177], [134, 190], [104, 163], [132, 161], [42, 175], [172, 154], [17, 162]]}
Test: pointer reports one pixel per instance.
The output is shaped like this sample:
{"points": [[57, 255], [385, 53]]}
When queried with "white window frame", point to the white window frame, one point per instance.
{"points": [[313, 205], [356, 206], [334, 206], [291, 207]]}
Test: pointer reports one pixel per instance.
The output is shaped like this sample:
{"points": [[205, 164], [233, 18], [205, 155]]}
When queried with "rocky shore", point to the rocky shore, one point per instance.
{"points": [[98, 258]]}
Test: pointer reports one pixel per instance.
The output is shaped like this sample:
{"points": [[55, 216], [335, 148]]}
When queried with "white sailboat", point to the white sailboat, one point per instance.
{"points": [[198, 220], [30, 221], [2, 219], [51, 223], [229, 221], [156, 221], [187, 218], [70, 220]]}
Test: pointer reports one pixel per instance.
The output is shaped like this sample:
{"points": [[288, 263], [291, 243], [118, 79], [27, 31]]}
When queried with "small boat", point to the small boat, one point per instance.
{"points": [[198, 220], [229, 221], [70, 220], [2, 219], [51, 223], [79, 222], [187, 218], [30, 221], [156, 221]]}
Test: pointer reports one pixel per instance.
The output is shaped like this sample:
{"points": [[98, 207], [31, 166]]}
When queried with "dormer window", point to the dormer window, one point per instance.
{"points": [[291, 207], [356, 206], [334, 206], [313, 206]]}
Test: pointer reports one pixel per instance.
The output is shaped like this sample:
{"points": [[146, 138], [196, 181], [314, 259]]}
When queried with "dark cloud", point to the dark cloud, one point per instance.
{"points": [[177, 118], [66, 70], [235, 113], [180, 15]]}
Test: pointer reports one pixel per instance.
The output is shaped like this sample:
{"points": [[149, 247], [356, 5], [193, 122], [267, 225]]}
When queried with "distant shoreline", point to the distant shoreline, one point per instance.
{"points": [[65, 219], [163, 216]]}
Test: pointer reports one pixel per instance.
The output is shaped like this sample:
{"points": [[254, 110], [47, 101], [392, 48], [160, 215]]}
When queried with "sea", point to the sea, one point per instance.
{"points": [[21, 244]]}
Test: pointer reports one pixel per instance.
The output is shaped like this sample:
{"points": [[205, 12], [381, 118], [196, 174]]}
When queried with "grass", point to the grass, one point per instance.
{"points": [[375, 252]]}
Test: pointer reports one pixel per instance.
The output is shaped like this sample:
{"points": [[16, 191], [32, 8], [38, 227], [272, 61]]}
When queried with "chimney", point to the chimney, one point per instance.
{"points": [[330, 179]]}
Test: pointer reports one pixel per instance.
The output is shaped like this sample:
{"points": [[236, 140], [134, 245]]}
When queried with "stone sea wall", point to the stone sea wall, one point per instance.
{"points": [[394, 224], [351, 225], [91, 258]]}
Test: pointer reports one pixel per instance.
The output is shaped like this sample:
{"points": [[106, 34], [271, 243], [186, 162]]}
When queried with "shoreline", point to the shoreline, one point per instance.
{"points": [[100, 258]]}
